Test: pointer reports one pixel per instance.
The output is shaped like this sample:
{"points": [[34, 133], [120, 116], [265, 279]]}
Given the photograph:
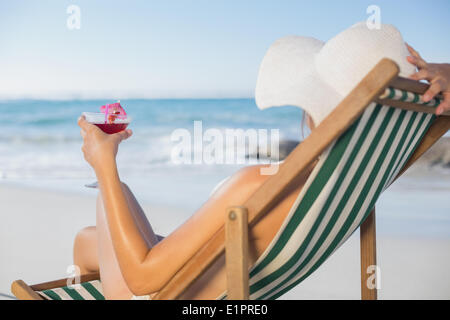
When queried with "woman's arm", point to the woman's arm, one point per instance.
{"points": [[438, 74], [145, 269], [137, 261]]}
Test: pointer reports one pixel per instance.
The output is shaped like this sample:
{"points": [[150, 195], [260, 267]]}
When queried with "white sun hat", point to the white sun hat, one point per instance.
{"points": [[316, 76]]}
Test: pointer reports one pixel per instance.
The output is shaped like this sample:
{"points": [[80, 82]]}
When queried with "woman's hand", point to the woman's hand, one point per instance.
{"points": [[438, 74], [100, 148]]}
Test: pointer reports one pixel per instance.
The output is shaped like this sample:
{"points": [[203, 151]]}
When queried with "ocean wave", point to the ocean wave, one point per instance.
{"points": [[36, 140], [138, 160], [41, 138]]}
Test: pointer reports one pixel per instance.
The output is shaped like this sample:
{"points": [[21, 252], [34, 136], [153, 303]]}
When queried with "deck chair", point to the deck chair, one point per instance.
{"points": [[378, 131]]}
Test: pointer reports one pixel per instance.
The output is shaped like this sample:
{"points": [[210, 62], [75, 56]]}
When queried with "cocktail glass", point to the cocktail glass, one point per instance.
{"points": [[108, 125]]}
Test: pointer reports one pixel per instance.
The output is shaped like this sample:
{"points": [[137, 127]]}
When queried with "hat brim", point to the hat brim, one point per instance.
{"points": [[312, 75], [288, 76]]}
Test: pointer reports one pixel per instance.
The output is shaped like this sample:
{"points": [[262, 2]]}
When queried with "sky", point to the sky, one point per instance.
{"points": [[179, 49]]}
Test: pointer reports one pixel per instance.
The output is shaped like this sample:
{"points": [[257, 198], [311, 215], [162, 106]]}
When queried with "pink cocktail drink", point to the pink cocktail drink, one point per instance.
{"points": [[111, 119], [111, 128]]}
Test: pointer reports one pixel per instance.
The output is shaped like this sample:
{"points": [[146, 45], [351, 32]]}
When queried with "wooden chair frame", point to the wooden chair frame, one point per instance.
{"points": [[25, 292], [234, 234]]}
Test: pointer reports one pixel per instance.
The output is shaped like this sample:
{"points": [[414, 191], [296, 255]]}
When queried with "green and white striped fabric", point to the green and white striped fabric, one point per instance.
{"points": [[91, 290], [337, 197], [396, 94]]}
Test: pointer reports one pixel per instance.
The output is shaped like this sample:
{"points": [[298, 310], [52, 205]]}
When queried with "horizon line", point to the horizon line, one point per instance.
{"points": [[27, 98]]}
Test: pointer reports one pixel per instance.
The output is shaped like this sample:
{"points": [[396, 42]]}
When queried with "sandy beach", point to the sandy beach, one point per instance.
{"points": [[36, 238]]}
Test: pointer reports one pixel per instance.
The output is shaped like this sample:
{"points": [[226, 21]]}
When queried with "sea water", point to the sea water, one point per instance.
{"points": [[40, 146], [40, 143]]}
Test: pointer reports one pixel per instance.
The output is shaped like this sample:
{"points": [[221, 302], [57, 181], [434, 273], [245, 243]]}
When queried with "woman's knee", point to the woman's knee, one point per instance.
{"points": [[85, 237], [85, 250], [125, 187]]}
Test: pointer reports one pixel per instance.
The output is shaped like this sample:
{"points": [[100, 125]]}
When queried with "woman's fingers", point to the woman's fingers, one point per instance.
{"points": [[444, 106], [415, 58], [127, 133], [86, 126], [418, 62], [423, 74], [436, 74], [123, 135], [432, 91], [413, 52]]}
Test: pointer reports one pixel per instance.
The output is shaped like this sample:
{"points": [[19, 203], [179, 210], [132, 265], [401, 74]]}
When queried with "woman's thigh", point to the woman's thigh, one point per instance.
{"points": [[140, 218], [113, 283]]}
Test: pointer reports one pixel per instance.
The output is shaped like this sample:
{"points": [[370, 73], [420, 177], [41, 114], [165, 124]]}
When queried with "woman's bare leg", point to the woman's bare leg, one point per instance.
{"points": [[113, 283], [141, 219], [85, 250], [93, 248]]}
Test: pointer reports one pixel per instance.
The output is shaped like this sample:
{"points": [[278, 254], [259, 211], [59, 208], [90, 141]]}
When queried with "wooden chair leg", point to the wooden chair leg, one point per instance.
{"points": [[368, 258], [236, 253]]}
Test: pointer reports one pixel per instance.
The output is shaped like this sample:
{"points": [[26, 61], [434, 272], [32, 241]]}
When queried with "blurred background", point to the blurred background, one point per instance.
{"points": [[171, 63]]}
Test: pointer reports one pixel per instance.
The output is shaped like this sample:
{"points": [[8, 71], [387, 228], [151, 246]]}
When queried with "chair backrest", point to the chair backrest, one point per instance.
{"points": [[340, 193]]}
